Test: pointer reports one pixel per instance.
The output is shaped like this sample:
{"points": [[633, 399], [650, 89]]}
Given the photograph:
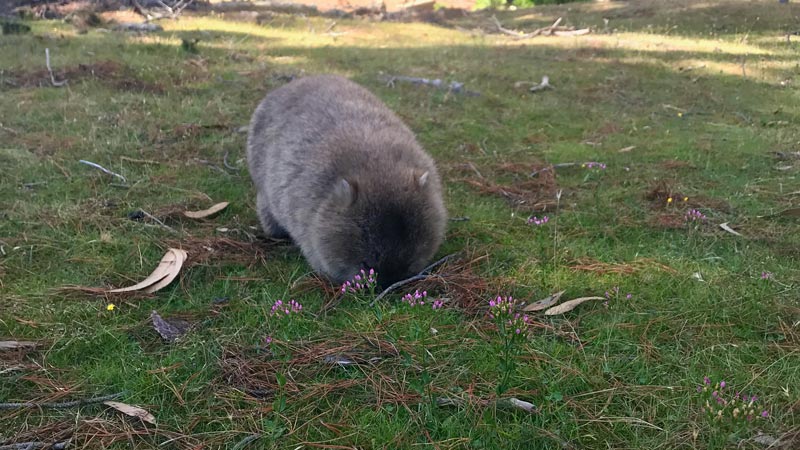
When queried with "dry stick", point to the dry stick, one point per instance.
{"points": [[98, 166], [52, 78], [246, 441], [225, 163], [61, 405], [555, 166], [545, 84], [555, 228], [420, 276], [552, 30], [153, 218], [34, 445], [172, 11], [516, 34], [510, 402]]}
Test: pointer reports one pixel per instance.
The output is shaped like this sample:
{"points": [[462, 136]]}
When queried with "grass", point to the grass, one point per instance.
{"points": [[703, 93]]}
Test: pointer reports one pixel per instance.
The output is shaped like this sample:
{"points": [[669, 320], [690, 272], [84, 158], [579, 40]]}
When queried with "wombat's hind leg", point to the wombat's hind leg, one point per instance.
{"points": [[268, 224]]}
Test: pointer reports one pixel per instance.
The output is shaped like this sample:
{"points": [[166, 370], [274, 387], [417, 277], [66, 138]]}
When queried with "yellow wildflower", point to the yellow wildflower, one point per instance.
{"points": [[110, 307], [669, 200]]}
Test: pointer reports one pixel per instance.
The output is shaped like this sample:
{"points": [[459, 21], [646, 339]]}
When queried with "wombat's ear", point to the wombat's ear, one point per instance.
{"points": [[421, 179], [345, 192]]}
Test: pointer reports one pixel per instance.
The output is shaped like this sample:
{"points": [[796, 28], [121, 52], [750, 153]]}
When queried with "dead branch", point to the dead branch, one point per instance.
{"points": [[61, 405], [35, 445], [50, 71], [99, 167], [508, 403], [155, 219], [424, 273], [552, 30], [169, 12]]}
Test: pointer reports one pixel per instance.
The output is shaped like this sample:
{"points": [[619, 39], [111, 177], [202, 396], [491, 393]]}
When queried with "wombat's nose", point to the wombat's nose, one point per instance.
{"points": [[389, 277]]}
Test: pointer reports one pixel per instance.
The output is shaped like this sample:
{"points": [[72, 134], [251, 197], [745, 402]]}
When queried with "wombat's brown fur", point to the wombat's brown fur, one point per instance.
{"points": [[341, 175]]}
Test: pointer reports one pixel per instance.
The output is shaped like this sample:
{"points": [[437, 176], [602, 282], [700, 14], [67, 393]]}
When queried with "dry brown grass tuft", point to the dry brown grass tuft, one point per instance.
{"points": [[591, 265]]}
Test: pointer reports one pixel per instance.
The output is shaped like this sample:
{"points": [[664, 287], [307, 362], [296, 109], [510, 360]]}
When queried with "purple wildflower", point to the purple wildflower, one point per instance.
{"points": [[290, 307], [538, 221], [766, 275], [694, 215], [361, 281], [593, 164], [417, 298], [722, 384], [764, 414]]}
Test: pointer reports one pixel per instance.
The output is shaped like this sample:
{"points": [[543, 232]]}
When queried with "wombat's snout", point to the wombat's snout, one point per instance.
{"points": [[392, 272]]}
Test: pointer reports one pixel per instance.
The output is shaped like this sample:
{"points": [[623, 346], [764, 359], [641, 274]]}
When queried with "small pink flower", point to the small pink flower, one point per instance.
{"points": [[764, 414]]}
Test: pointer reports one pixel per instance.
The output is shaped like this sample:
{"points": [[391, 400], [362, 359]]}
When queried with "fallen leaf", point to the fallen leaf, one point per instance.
{"points": [[730, 230], [521, 404], [167, 270], [13, 345], [337, 360], [569, 305], [133, 411], [206, 212], [169, 329], [544, 303], [626, 149]]}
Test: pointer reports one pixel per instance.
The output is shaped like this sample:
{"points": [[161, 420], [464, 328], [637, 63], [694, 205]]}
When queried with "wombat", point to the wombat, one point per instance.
{"points": [[342, 176]]}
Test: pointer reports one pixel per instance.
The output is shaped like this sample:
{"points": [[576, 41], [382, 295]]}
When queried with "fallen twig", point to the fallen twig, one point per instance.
{"points": [[49, 70], [424, 273], [454, 86], [155, 219], [98, 166], [545, 84], [70, 404], [228, 166], [511, 403], [554, 166], [34, 445], [246, 441], [551, 30], [172, 12]]}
